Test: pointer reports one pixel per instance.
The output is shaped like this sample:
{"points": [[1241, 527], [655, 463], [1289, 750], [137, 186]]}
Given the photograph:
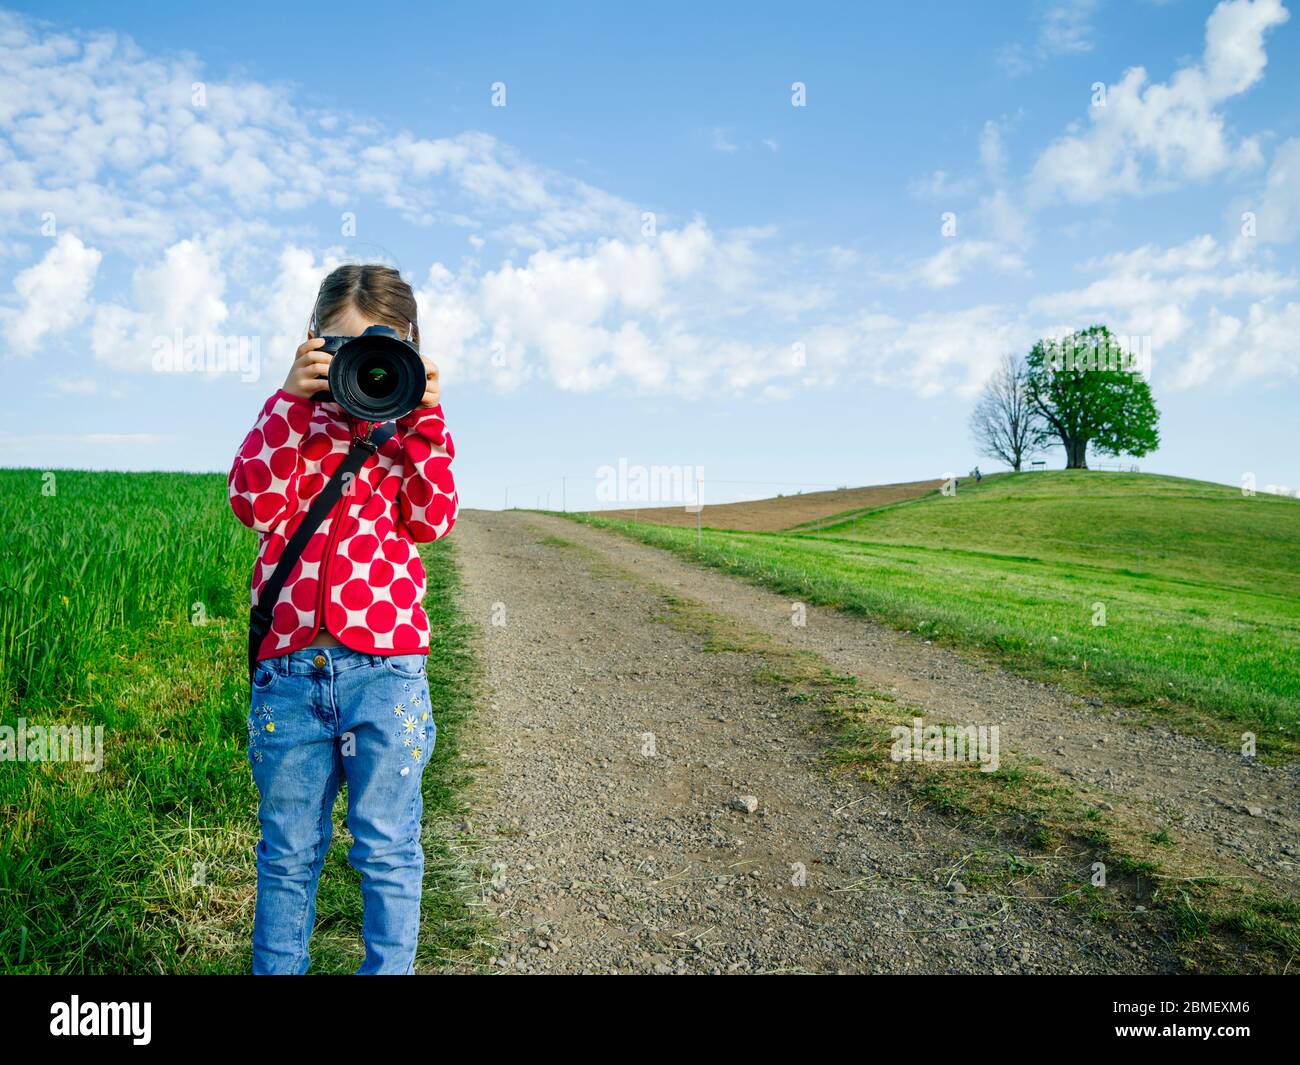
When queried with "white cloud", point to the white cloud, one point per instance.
{"points": [[935, 353], [949, 265], [1278, 212], [1001, 214], [941, 186], [589, 317], [282, 308], [1171, 295], [52, 295], [110, 140], [1063, 29], [1263, 346], [721, 142], [1153, 134], [182, 292], [1151, 277], [1066, 29], [993, 150], [1175, 296], [1199, 253], [73, 386]]}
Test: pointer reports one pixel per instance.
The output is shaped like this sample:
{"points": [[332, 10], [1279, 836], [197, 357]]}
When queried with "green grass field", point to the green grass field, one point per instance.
{"points": [[1196, 584], [124, 604]]}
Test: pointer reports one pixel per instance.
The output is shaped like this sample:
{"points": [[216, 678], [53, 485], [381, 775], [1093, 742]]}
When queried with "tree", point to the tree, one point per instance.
{"points": [[1005, 423], [1091, 394]]}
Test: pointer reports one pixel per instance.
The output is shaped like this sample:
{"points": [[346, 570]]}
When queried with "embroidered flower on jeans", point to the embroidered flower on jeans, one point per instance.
{"points": [[251, 726]]}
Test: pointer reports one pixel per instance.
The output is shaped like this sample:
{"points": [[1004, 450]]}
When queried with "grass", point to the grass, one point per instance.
{"points": [[1151, 526], [124, 606], [1195, 584]]}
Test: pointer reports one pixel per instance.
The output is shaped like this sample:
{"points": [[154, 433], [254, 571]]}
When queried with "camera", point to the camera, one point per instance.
{"points": [[376, 376]]}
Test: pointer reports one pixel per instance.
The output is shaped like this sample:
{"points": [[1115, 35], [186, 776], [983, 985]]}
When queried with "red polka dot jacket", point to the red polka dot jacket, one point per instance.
{"points": [[360, 573]]}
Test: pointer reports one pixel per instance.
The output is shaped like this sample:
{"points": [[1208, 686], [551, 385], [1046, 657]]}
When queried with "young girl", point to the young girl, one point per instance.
{"points": [[340, 693]]}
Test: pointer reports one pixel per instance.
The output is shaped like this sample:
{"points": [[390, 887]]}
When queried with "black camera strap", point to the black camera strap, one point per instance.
{"points": [[259, 617]]}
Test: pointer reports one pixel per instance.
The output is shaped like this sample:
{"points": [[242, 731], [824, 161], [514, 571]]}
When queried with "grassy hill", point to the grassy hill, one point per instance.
{"points": [[1144, 524], [1194, 583], [780, 512]]}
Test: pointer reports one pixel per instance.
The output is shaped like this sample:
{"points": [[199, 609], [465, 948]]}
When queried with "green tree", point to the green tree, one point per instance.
{"points": [[1090, 393]]}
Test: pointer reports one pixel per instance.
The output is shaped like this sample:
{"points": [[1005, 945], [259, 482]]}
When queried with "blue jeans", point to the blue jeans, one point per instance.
{"points": [[320, 717]]}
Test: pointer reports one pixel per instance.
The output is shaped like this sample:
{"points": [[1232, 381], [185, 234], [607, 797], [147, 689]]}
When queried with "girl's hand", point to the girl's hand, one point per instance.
{"points": [[432, 390], [307, 375]]}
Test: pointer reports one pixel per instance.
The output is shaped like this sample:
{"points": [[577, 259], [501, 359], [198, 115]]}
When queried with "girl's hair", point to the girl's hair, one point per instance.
{"points": [[376, 291]]}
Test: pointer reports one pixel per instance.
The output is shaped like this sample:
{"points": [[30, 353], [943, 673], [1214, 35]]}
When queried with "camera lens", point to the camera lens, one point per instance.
{"points": [[376, 377]]}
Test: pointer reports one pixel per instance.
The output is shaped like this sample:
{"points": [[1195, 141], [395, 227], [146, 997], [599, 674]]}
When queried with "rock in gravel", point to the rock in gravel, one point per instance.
{"points": [[746, 804]]}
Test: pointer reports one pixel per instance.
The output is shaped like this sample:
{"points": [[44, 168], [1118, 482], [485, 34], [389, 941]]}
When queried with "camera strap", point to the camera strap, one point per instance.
{"points": [[259, 617]]}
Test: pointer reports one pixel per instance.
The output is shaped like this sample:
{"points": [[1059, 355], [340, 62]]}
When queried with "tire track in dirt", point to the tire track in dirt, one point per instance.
{"points": [[613, 746], [1240, 810]]}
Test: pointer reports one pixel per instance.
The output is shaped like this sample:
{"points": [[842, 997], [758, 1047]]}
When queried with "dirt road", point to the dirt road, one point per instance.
{"points": [[1239, 810], [620, 756]]}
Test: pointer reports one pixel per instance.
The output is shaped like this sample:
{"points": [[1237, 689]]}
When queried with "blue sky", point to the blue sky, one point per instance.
{"points": [[795, 316]]}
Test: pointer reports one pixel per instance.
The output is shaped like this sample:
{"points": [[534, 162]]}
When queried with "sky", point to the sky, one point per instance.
{"points": [[778, 247]]}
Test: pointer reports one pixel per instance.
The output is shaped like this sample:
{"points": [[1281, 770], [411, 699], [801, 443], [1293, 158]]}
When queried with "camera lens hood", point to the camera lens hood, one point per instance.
{"points": [[377, 376]]}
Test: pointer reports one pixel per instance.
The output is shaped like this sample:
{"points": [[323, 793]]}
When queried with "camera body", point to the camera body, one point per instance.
{"points": [[376, 376]]}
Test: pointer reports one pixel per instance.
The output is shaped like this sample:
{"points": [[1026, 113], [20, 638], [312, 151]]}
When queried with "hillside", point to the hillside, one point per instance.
{"points": [[780, 512], [1143, 524], [1170, 593]]}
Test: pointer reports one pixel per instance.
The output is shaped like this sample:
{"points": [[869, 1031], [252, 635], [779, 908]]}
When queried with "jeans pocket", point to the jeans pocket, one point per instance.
{"points": [[411, 667], [264, 678], [261, 711]]}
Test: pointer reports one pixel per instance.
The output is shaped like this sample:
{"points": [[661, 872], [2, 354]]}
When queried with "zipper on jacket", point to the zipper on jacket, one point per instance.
{"points": [[327, 556]]}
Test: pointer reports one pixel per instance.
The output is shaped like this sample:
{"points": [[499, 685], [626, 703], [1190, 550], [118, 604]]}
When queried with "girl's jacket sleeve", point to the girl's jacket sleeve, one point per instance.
{"points": [[263, 482], [427, 497]]}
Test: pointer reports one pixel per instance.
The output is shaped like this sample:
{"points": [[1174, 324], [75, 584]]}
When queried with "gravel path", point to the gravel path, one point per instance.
{"points": [[616, 750], [1236, 809]]}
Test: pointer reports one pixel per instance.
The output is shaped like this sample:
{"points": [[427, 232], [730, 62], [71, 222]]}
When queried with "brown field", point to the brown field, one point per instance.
{"points": [[781, 512]]}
